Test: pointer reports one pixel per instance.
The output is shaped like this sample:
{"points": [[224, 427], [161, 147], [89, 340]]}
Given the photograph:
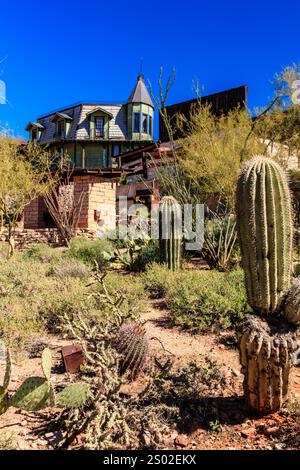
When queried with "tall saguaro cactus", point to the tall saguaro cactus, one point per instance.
{"points": [[264, 222], [170, 232]]}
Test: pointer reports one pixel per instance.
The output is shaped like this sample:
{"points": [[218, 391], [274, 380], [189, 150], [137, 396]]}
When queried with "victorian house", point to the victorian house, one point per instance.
{"points": [[94, 134]]}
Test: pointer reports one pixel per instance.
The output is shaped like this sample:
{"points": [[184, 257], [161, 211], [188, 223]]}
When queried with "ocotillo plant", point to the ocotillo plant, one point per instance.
{"points": [[170, 232], [264, 222], [36, 393]]}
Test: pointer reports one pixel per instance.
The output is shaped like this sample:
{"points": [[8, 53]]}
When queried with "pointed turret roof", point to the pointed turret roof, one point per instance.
{"points": [[140, 93]]}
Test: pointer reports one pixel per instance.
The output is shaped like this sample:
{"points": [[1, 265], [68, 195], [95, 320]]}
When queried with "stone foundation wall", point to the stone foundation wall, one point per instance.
{"points": [[51, 236]]}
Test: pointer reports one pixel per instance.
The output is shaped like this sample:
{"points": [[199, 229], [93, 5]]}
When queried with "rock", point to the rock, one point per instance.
{"points": [[146, 439], [278, 446], [231, 448], [271, 431], [42, 442], [49, 435], [250, 432], [181, 440], [24, 422]]}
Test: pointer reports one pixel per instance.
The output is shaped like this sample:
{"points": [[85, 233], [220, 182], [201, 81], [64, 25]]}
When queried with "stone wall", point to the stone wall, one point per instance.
{"points": [[51, 236]]}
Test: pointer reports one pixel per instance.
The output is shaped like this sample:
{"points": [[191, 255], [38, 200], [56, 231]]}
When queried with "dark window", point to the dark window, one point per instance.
{"points": [[136, 124], [60, 129], [150, 125], [99, 127], [116, 150], [34, 134], [145, 126]]}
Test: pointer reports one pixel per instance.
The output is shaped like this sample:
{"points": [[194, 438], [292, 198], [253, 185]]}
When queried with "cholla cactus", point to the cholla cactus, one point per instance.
{"points": [[264, 220], [132, 344], [170, 232]]}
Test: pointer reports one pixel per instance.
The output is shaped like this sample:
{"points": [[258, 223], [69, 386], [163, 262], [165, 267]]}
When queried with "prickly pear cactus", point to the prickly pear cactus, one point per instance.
{"points": [[132, 344], [291, 309], [265, 228], [73, 396], [170, 232], [32, 395], [264, 221], [47, 363]]}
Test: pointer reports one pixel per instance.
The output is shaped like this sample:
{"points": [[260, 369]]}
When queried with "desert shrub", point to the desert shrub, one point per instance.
{"points": [[41, 252], [90, 251], [135, 298], [207, 300], [31, 302], [68, 267], [146, 255], [157, 279]]}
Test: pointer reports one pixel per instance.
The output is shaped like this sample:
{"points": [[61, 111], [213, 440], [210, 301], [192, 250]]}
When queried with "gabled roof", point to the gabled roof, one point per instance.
{"points": [[32, 125], [61, 116], [140, 93], [104, 111]]}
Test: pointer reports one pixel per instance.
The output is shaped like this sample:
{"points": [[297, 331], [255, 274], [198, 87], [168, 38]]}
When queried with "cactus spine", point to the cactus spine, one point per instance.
{"points": [[264, 221], [170, 232], [265, 230]]}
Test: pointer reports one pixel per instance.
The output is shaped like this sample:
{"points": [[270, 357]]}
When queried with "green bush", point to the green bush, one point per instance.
{"points": [[41, 252], [90, 251], [148, 254], [68, 267], [132, 287], [157, 280], [207, 300]]}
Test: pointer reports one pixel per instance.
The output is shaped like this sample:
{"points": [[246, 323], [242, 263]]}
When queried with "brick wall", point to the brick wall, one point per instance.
{"points": [[98, 209]]}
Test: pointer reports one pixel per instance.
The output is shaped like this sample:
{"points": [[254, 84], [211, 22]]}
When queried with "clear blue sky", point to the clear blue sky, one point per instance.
{"points": [[61, 52]]}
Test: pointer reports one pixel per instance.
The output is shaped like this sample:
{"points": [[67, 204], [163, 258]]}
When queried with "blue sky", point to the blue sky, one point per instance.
{"points": [[60, 52]]}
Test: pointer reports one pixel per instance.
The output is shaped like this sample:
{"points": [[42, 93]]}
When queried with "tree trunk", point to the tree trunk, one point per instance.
{"points": [[266, 348], [11, 241]]}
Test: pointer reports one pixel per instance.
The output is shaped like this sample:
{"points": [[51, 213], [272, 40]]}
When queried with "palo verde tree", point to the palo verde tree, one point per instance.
{"points": [[23, 177]]}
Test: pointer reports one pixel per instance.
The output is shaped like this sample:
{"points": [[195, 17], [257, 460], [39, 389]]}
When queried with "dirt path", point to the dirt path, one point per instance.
{"points": [[184, 346]]}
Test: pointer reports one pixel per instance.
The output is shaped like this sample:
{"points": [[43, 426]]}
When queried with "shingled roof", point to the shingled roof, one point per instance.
{"points": [[140, 93]]}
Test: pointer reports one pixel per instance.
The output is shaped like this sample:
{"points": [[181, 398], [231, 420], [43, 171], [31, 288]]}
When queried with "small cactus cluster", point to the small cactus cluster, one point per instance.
{"points": [[36, 393], [132, 344], [265, 229], [170, 232]]}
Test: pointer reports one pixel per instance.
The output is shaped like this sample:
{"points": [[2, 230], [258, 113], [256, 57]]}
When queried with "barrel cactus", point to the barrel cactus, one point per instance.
{"points": [[265, 229], [132, 344], [170, 232]]}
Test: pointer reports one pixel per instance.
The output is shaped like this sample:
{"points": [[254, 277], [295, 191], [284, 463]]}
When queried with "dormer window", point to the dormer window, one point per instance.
{"points": [[62, 123], [60, 129], [35, 129], [99, 127]]}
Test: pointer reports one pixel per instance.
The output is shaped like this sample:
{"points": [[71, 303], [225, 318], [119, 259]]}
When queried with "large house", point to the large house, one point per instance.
{"points": [[94, 134]]}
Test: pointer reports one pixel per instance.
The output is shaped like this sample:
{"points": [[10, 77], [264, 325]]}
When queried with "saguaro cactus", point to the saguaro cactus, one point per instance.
{"points": [[170, 232], [264, 222]]}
